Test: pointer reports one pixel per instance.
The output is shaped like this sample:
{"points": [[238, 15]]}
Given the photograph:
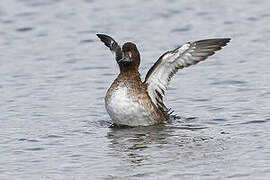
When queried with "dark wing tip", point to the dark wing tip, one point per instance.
{"points": [[107, 40], [101, 36], [221, 42], [215, 44], [225, 41]]}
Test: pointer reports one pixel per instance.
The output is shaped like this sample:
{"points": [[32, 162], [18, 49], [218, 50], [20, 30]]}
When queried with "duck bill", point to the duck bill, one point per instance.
{"points": [[125, 58]]}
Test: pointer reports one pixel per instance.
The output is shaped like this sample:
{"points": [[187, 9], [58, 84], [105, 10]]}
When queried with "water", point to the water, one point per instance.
{"points": [[55, 72]]}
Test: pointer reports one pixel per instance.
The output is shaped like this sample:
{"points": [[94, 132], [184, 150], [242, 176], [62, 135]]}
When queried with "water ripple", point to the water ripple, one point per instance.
{"points": [[54, 78], [24, 29], [34, 149]]}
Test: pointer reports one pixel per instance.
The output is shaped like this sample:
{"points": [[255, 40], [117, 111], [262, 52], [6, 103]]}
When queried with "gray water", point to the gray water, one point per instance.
{"points": [[54, 73]]}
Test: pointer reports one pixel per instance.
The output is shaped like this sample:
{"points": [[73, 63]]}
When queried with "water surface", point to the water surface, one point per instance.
{"points": [[55, 72]]}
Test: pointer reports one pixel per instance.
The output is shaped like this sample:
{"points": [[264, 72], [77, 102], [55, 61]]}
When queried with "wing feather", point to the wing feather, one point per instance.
{"points": [[112, 44], [190, 53]]}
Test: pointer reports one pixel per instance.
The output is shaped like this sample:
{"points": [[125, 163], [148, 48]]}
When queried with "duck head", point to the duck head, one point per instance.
{"points": [[130, 57]]}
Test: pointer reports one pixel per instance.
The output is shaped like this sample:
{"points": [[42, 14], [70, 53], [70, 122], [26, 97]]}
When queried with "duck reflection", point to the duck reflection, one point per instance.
{"points": [[135, 143], [140, 145]]}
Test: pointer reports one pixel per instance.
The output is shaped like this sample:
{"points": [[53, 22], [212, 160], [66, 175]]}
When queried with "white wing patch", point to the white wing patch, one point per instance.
{"points": [[160, 74]]}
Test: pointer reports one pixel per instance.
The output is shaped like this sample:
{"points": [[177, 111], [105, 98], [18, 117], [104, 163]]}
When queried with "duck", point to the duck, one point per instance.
{"points": [[132, 102]]}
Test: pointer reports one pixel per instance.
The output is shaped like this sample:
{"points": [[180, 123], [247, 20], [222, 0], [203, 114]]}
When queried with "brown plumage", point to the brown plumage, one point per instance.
{"points": [[137, 91]]}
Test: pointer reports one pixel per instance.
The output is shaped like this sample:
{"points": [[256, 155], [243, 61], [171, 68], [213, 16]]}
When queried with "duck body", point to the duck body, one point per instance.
{"points": [[128, 103], [131, 102]]}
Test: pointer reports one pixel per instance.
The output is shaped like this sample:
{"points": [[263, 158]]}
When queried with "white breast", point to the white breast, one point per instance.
{"points": [[123, 110]]}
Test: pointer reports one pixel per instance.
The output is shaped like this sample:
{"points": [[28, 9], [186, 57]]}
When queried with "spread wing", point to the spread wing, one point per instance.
{"points": [[160, 74], [112, 44]]}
